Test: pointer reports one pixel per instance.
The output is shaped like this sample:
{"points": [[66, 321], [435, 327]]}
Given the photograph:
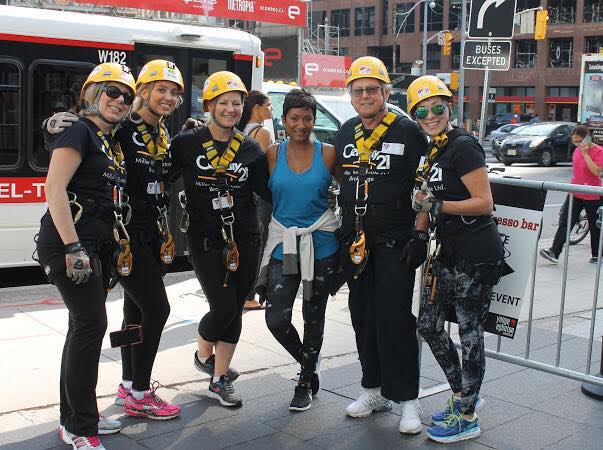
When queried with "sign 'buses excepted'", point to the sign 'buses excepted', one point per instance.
{"points": [[482, 55]]}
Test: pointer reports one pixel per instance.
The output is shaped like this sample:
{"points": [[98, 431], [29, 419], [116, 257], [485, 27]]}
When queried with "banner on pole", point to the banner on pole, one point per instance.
{"points": [[324, 70], [283, 12]]}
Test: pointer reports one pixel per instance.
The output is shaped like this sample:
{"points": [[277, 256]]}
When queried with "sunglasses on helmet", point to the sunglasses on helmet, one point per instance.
{"points": [[114, 92], [422, 111]]}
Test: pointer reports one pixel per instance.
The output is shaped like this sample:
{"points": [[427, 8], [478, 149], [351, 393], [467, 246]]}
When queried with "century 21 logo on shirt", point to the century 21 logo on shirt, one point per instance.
{"points": [[381, 161]]}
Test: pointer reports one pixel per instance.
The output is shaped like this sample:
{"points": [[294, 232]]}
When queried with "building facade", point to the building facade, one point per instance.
{"points": [[543, 77]]}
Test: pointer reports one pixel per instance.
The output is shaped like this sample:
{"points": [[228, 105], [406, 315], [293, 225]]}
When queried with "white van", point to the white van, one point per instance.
{"points": [[332, 111]]}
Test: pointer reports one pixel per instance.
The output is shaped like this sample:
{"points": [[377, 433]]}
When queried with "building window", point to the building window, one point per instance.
{"points": [[364, 21], [593, 10], [525, 54], [455, 62], [408, 19], [562, 91], [454, 16], [10, 113], [435, 19], [341, 18], [592, 44], [434, 52], [561, 52], [562, 11], [384, 16], [317, 18], [522, 5], [343, 51]]}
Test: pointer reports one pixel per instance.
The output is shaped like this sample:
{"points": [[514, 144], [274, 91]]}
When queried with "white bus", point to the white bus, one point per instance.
{"points": [[45, 55]]}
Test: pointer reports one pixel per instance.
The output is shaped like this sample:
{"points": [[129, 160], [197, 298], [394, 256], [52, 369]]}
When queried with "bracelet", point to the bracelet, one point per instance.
{"points": [[436, 208], [422, 235], [74, 247]]}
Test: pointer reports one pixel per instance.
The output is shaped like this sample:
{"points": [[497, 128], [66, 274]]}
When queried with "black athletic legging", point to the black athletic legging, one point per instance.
{"points": [[145, 304], [223, 321]]}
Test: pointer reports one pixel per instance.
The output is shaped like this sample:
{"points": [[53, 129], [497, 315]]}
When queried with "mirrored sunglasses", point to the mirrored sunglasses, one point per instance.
{"points": [[422, 111]]}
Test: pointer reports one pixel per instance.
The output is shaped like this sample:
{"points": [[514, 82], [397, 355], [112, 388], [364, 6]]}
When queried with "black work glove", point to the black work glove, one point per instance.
{"points": [[191, 123], [77, 263], [414, 252], [332, 194]]}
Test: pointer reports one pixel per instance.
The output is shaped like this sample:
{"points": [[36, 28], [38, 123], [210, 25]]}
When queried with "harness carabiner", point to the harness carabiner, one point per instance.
{"points": [[73, 203]]}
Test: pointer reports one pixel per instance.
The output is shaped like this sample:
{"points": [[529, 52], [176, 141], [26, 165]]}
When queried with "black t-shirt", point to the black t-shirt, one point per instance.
{"points": [[94, 177], [143, 176], [391, 177], [458, 158], [92, 182], [468, 239], [246, 174]]}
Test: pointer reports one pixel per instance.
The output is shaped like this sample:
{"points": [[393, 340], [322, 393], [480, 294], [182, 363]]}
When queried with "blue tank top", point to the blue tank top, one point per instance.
{"points": [[300, 199]]}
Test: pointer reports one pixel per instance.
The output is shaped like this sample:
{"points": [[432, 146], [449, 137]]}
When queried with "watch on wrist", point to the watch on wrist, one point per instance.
{"points": [[436, 208], [422, 235], [74, 247]]}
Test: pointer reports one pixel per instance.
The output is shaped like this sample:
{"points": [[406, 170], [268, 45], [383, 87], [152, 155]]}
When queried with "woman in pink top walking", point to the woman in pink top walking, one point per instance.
{"points": [[587, 162]]}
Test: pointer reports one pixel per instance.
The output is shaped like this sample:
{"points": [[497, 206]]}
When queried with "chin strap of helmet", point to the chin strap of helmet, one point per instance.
{"points": [[146, 102]]}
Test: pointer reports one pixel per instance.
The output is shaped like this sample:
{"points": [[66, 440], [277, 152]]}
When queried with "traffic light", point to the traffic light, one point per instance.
{"points": [[447, 47], [454, 81], [541, 18]]}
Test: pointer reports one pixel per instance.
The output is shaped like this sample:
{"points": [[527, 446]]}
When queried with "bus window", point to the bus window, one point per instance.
{"points": [[10, 113], [201, 69], [54, 87]]}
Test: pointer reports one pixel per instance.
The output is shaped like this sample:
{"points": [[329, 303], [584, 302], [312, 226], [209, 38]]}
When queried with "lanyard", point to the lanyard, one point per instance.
{"points": [[439, 142], [157, 148]]}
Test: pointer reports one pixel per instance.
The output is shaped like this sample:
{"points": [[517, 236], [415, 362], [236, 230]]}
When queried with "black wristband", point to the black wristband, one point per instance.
{"points": [[422, 235], [74, 247], [436, 208]]}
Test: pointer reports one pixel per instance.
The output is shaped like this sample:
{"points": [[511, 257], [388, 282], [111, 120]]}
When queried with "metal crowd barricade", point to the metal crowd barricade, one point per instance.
{"points": [[525, 361]]}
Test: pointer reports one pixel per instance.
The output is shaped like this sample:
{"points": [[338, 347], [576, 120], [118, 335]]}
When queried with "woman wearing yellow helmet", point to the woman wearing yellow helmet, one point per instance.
{"points": [[222, 169], [145, 140], [75, 243], [453, 189]]}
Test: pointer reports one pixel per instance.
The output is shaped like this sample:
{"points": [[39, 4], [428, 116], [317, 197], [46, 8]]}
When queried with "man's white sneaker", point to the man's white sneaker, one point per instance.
{"points": [[370, 400], [410, 422]]}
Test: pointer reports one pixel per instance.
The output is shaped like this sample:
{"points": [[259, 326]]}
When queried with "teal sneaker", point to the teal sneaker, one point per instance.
{"points": [[452, 405], [455, 428]]}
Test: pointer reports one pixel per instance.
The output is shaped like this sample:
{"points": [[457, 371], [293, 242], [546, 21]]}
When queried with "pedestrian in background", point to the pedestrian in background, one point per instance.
{"points": [[587, 161], [256, 110]]}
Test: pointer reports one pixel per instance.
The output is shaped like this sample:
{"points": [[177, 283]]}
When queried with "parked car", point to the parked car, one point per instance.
{"points": [[545, 143], [498, 120], [332, 111], [498, 136]]}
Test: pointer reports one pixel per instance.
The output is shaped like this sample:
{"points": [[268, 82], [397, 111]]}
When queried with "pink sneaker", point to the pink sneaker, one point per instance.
{"points": [[151, 407], [122, 394]]}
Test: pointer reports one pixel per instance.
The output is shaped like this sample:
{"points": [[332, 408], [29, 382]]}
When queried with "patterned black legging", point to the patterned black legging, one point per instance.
{"points": [[281, 293], [471, 301]]}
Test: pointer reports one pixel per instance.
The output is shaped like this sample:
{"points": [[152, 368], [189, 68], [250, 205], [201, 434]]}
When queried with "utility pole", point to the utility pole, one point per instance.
{"points": [[425, 39], [461, 90]]}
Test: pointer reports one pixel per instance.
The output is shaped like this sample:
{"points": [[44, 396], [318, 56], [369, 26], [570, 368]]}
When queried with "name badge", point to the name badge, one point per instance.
{"points": [[153, 188], [392, 148], [226, 201]]}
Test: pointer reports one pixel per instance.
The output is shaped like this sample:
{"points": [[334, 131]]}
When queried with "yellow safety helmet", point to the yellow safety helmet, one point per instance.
{"points": [[367, 67], [106, 72], [221, 82], [160, 70], [424, 87]]}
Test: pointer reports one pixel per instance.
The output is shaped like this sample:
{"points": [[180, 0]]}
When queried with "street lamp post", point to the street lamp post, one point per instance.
{"points": [[397, 30]]}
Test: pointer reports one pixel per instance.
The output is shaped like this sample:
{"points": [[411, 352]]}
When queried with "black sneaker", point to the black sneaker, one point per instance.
{"points": [[547, 253], [315, 380], [302, 400], [209, 364], [224, 391], [593, 260]]}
